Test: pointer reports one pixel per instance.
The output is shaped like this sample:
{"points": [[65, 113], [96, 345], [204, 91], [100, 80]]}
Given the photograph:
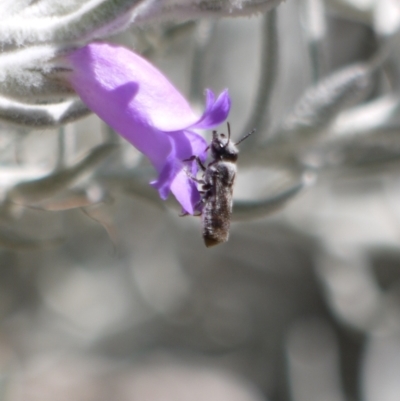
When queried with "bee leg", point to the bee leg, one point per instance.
{"points": [[198, 161], [197, 206], [190, 159], [195, 179]]}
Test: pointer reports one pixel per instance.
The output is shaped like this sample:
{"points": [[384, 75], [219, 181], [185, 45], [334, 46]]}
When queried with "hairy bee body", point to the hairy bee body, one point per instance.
{"points": [[219, 179], [217, 187]]}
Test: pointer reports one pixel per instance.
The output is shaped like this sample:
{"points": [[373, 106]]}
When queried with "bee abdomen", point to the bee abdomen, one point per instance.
{"points": [[216, 224]]}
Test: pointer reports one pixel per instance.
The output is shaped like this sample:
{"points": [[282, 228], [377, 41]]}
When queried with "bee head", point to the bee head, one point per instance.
{"points": [[222, 148]]}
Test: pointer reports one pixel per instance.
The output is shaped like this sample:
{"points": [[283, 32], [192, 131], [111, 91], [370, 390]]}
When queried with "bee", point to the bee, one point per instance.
{"points": [[217, 187]]}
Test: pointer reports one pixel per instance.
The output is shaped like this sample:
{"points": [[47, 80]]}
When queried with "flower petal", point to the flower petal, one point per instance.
{"points": [[157, 101], [216, 112], [187, 144], [174, 176], [166, 175], [185, 191]]}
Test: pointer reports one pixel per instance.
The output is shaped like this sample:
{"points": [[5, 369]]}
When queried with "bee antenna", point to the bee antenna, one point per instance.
{"points": [[246, 136], [229, 134]]}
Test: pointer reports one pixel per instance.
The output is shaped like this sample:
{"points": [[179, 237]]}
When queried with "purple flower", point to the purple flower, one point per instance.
{"points": [[139, 103]]}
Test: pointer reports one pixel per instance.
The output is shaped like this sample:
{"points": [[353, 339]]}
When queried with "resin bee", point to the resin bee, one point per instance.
{"points": [[217, 187]]}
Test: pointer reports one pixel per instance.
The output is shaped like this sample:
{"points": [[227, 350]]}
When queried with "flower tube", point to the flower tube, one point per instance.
{"points": [[139, 103]]}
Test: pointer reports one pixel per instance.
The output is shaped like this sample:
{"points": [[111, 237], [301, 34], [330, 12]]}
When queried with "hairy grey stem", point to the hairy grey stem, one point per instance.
{"points": [[43, 188], [269, 67], [171, 10], [41, 116], [321, 103], [92, 20], [314, 26], [135, 183], [246, 210], [61, 148], [318, 60]]}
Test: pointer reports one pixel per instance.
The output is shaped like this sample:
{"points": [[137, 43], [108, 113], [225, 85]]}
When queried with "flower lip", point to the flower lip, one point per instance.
{"points": [[216, 111], [139, 103]]}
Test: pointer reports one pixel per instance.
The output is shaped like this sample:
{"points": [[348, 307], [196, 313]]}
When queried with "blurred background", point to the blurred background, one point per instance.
{"points": [[106, 293]]}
